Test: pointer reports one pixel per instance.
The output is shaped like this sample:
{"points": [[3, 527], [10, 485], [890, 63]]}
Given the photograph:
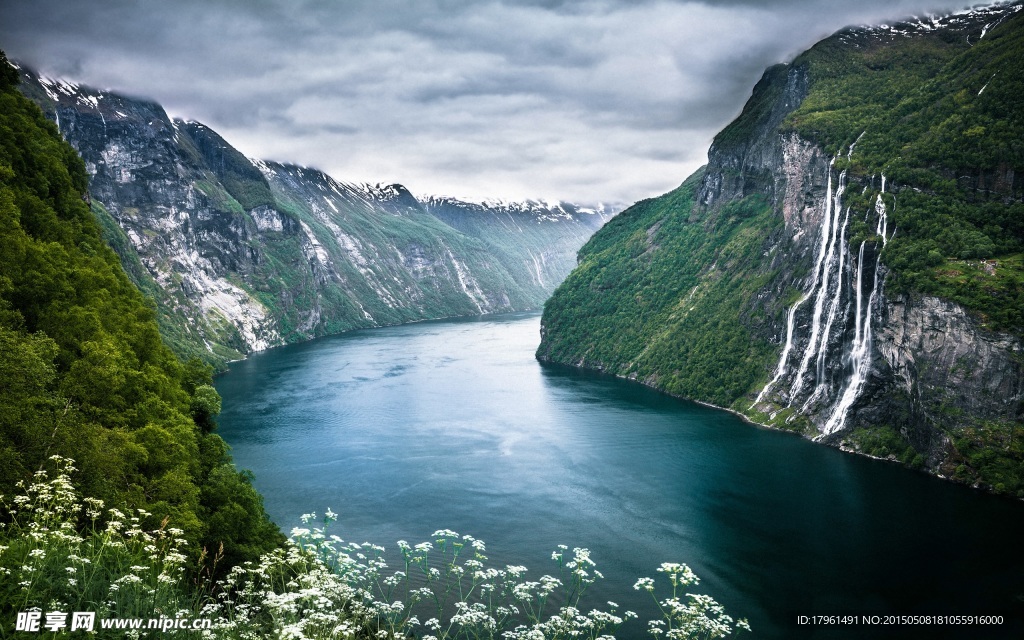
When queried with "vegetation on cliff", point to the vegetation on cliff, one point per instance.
{"points": [[942, 118], [656, 293], [83, 371], [691, 294]]}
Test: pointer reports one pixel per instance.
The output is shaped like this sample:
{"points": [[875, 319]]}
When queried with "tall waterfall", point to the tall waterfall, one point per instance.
{"points": [[860, 350], [822, 284], [781, 369], [883, 218], [820, 386], [838, 288]]}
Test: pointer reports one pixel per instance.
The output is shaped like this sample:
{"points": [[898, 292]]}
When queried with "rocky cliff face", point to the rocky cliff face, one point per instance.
{"points": [[940, 369], [813, 305], [241, 254], [854, 358]]}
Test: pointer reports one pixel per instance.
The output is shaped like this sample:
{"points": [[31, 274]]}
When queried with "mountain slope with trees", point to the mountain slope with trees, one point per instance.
{"points": [[83, 370], [848, 264]]}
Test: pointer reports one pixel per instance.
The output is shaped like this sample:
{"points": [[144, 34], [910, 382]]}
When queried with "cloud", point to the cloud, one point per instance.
{"points": [[599, 100]]}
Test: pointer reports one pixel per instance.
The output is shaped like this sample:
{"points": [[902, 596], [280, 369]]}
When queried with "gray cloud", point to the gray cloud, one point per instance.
{"points": [[599, 100]]}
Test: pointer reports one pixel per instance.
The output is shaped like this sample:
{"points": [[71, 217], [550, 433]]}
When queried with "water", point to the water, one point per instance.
{"points": [[453, 424]]}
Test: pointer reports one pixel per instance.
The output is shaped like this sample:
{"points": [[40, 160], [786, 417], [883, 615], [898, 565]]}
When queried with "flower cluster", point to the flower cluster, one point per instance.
{"points": [[66, 553], [323, 587], [69, 553], [700, 616]]}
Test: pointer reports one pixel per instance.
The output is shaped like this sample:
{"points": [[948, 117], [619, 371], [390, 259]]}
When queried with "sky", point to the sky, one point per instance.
{"points": [[587, 101]]}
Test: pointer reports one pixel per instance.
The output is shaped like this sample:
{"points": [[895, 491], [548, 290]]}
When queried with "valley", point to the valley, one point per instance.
{"points": [[241, 255]]}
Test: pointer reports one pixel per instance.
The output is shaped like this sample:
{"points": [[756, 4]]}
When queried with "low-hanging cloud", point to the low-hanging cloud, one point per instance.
{"points": [[606, 100]]}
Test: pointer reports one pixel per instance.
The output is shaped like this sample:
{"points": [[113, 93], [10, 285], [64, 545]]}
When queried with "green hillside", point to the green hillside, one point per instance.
{"points": [[83, 371], [694, 292], [942, 118], [656, 293]]}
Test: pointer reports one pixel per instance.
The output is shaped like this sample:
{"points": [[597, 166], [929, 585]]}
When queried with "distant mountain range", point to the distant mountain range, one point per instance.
{"points": [[240, 254]]}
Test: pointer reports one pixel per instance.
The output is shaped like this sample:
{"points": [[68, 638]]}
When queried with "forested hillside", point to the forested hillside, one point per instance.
{"points": [[940, 115], [848, 264], [83, 371]]}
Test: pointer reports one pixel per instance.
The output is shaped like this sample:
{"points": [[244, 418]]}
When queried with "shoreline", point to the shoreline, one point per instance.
{"points": [[747, 419]]}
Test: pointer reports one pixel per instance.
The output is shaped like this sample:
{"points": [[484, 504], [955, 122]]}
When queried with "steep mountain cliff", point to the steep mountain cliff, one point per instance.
{"points": [[84, 373], [242, 254], [848, 264]]}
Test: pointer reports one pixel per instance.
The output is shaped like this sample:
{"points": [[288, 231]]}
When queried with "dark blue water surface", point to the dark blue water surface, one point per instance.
{"points": [[453, 424]]}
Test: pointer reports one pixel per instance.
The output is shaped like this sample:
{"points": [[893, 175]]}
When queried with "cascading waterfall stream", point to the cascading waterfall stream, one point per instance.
{"points": [[883, 219], [780, 370], [860, 350], [849, 152], [828, 286], [821, 387], [821, 287]]}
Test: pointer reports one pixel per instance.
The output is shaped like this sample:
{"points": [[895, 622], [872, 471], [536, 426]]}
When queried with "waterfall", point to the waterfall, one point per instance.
{"points": [[820, 381], [883, 219], [849, 153], [780, 369], [829, 317], [860, 351], [857, 290], [821, 285]]}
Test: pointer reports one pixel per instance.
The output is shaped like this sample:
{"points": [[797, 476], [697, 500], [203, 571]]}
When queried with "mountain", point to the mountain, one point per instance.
{"points": [[85, 374], [243, 254], [848, 265]]}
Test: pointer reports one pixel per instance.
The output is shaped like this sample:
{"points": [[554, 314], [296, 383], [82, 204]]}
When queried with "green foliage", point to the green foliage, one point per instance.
{"points": [[86, 374], [993, 288], [992, 454], [882, 441], [234, 514], [943, 120], [205, 406], [657, 296], [60, 552]]}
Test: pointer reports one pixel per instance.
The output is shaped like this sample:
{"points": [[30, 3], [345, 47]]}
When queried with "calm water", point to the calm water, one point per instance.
{"points": [[453, 424]]}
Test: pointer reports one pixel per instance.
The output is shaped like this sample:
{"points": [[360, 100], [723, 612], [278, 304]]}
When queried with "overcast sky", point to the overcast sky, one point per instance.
{"points": [[607, 100]]}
